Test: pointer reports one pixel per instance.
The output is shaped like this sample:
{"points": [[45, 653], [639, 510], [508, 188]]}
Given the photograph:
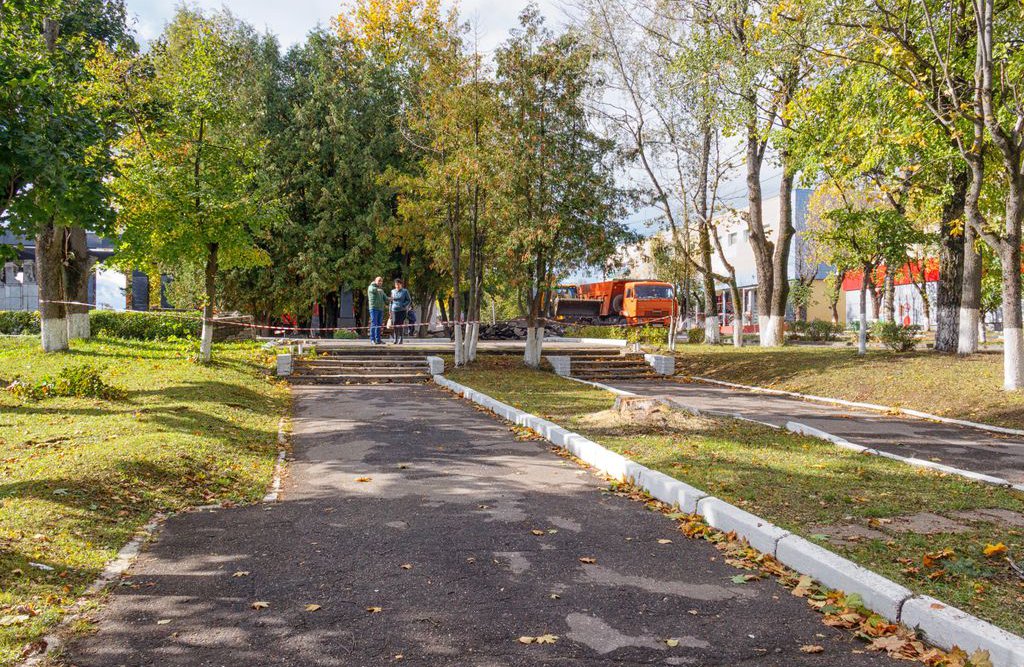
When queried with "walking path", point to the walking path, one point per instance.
{"points": [[431, 557], [958, 446]]}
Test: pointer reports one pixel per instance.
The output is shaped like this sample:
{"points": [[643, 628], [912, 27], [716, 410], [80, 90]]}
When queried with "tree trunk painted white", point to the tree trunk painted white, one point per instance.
{"points": [[78, 326], [737, 336], [54, 333], [968, 338], [712, 332], [206, 340], [474, 337], [672, 328], [1013, 359], [534, 346], [862, 329], [77, 269], [460, 348], [982, 331], [50, 276], [773, 330]]}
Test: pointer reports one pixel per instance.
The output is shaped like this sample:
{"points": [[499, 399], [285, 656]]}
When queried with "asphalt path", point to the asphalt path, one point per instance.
{"points": [[959, 446], [407, 519]]}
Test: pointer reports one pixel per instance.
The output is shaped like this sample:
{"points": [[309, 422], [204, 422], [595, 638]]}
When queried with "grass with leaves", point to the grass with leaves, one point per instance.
{"points": [[79, 476], [947, 385], [805, 485]]}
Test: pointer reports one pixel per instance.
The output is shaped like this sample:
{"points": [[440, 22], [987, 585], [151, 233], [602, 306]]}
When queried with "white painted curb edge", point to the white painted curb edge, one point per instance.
{"points": [[114, 569], [606, 387], [275, 484], [866, 406], [941, 624]]}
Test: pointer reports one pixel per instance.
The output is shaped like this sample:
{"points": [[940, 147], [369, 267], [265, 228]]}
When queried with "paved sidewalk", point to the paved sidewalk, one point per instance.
{"points": [[453, 496], [959, 446]]}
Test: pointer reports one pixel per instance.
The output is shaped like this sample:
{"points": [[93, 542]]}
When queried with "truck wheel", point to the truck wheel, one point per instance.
{"points": [[616, 305]]}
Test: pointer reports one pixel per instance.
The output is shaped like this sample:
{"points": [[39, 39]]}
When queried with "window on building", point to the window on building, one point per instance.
{"points": [[732, 238]]}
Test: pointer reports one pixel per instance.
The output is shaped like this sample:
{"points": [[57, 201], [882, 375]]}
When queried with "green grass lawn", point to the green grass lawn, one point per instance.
{"points": [[802, 484], [78, 476], [965, 388]]}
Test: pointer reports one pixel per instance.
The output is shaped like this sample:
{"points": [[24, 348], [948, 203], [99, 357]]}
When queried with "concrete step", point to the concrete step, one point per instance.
{"points": [[616, 374], [605, 363], [361, 363], [350, 378]]}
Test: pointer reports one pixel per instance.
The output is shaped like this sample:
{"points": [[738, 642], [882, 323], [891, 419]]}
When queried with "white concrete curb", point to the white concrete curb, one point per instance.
{"points": [[610, 342], [114, 569], [275, 484], [804, 429], [944, 626], [867, 406], [617, 392]]}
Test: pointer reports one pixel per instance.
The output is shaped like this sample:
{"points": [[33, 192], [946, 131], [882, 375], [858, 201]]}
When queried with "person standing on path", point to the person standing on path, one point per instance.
{"points": [[400, 304], [377, 300]]}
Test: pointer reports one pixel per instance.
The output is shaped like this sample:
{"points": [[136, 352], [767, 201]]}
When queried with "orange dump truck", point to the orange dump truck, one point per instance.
{"points": [[617, 301]]}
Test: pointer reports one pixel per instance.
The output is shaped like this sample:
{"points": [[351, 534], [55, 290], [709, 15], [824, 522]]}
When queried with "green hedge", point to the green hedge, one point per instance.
{"points": [[19, 322], [144, 326], [594, 331]]}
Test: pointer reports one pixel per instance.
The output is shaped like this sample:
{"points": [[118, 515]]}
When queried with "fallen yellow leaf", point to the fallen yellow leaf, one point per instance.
{"points": [[538, 533], [375, 610], [312, 607], [664, 541], [993, 550], [588, 560], [812, 648], [364, 479], [407, 566], [240, 573], [163, 621], [260, 605], [672, 642]]}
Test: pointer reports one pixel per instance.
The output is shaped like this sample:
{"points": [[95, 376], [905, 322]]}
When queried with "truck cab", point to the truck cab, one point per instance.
{"points": [[648, 302]]}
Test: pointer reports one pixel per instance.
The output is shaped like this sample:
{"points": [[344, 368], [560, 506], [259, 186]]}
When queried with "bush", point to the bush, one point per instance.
{"points": [[822, 331], [896, 337], [345, 334], [647, 334], [81, 381], [19, 322], [695, 335], [595, 331], [144, 326]]}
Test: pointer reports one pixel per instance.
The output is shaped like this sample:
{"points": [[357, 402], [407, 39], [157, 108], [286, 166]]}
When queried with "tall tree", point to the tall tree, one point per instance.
{"points": [[192, 184], [560, 207], [55, 144]]}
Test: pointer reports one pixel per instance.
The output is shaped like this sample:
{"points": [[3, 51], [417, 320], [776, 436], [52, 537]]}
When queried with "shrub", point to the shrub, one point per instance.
{"points": [[143, 325], [820, 330], [695, 335], [81, 381], [647, 334], [895, 336], [595, 331], [345, 334], [19, 322]]}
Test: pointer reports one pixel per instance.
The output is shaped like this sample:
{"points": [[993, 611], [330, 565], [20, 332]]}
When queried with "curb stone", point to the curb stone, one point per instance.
{"points": [[762, 535], [881, 595], [943, 625], [867, 406], [946, 626]]}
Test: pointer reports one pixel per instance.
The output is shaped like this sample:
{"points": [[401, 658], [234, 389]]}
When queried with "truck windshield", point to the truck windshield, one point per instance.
{"points": [[653, 292]]}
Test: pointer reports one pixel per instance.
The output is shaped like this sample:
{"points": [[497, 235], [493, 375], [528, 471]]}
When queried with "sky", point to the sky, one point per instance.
{"points": [[291, 20]]}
